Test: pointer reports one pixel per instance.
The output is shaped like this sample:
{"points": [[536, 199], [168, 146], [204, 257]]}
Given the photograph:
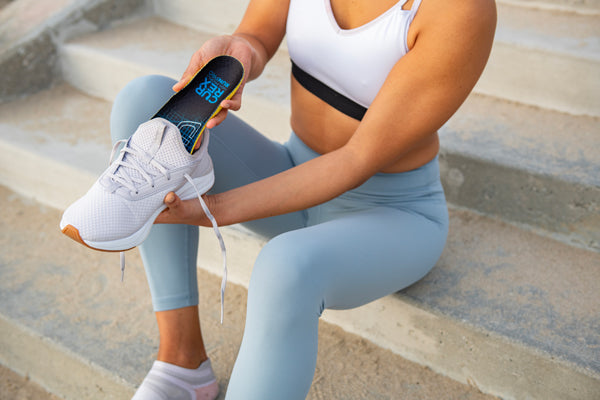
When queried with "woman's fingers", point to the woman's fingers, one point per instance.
{"points": [[172, 200], [196, 62], [173, 213]]}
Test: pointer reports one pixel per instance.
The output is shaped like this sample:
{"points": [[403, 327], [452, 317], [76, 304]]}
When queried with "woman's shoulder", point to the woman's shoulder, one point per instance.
{"points": [[465, 13], [444, 19]]}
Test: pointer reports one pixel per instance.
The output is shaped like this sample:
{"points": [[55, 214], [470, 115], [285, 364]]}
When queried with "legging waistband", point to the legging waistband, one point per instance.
{"points": [[421, 178]]}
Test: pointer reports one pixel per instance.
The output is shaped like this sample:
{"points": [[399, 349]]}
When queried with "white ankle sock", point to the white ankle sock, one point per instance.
{"points": [[169, 382]]}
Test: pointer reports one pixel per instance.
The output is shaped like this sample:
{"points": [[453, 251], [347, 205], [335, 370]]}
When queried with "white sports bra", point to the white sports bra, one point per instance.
{"points": [[354, 62]]}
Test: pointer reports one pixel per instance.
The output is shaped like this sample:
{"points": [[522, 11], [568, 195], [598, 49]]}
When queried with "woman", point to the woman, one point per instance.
{"points": [[352, 203]]}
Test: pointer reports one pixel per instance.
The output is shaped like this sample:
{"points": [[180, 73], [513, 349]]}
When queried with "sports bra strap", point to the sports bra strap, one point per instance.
{"points": [[327, 94], [413, 9]]}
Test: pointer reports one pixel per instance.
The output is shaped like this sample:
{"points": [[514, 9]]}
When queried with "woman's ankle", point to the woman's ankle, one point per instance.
{"points": [[181, 340], [183, 360]]}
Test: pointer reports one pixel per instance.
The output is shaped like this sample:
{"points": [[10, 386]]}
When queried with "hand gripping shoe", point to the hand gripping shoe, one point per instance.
{"points": [[118, 211]]}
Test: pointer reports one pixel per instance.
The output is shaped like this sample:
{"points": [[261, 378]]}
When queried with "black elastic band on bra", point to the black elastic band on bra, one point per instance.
{"points": [[327, 94]]}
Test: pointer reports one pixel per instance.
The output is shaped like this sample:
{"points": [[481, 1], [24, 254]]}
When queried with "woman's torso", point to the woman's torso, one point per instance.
{"points": [[337, 31]]}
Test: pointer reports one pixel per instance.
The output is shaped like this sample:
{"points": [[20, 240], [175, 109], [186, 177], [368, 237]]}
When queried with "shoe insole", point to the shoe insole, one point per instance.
{"points": [[200, 99]]}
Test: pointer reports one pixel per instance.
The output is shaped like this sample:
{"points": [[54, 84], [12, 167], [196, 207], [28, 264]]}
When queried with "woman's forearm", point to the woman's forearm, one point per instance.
{"points": [[298, 188]]}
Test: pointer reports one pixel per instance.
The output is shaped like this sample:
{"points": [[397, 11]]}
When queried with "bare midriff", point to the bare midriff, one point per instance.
{"points": [[324, 129]]}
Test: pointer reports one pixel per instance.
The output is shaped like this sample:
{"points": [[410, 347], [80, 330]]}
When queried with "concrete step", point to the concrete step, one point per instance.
{"points": [[101, 64], [545, 58], [69, 324], [525, 165], [14, 386], [506, 310], [208, 16], [542, 56], [30, 32], [539, 177], [586, 7]]}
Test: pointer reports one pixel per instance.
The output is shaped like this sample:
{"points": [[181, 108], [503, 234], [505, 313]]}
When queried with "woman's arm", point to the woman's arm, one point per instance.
{"points": [[420, 94], [428, 85]]}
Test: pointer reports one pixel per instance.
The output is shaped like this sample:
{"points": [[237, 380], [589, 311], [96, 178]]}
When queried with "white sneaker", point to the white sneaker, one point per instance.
{"points": [[118, 211], [169, 382]]}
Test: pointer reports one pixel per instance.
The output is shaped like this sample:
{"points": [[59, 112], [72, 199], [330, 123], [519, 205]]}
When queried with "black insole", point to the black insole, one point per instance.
{"points": [[191, 107]]}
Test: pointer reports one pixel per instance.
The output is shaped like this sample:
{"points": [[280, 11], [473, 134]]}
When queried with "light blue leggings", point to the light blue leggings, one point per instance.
{"points": [[370, 242]]}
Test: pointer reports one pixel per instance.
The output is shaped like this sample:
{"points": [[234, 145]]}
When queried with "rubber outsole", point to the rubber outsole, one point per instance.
{"points": [[73, 233]]}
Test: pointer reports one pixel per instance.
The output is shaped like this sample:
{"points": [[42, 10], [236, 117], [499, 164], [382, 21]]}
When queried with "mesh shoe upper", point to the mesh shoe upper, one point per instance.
{"points": [[130, 192]]}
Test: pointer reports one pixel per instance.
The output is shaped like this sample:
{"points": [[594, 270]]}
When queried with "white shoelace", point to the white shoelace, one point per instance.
{"points": [[129, 182], [213, 221], [112, 155]]}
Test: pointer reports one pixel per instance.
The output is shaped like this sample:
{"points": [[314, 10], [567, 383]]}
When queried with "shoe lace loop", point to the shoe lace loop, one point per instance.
{"points": [[136, 163]]}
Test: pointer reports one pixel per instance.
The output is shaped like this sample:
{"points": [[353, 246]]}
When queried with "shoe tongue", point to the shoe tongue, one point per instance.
{"points": [[149, 136], [161, 140], [157, 139]]}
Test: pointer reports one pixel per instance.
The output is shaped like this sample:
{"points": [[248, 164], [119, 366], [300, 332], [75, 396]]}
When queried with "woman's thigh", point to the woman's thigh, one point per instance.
{"points": [[349, 261]]}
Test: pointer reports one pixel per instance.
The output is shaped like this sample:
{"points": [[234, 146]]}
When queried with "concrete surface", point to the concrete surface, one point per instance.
{"points": [[585, 7], [17, 387], [545, 58], [30, 31]]}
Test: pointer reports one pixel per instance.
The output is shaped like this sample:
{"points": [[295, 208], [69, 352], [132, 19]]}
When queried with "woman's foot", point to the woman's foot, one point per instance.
{"points": [[170, 382]]}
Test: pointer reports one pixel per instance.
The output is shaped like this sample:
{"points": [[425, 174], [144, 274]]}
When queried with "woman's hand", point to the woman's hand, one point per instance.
{"points": [[232, 45], [179, 211]]}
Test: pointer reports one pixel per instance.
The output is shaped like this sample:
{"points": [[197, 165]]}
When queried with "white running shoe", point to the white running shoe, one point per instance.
{"points": [[169, 382], [118, 211]]}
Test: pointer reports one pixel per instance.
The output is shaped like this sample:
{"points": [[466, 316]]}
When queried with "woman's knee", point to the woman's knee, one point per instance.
{"points": [[286, 275], [137, 102]]}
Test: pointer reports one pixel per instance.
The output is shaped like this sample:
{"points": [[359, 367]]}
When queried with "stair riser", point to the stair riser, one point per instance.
{"points": [[43, 179], [588, 7], [79, 64], [28, 55], [547, 80], [569, 210], [56, 368], [218, 17]]}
